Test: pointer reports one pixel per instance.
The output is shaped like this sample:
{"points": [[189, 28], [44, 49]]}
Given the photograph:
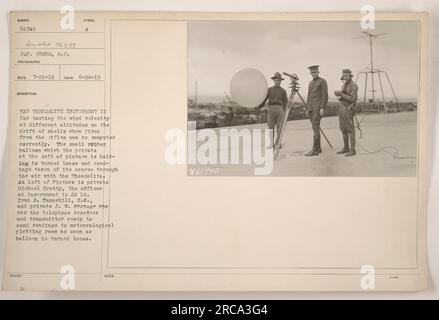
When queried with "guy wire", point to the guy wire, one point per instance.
{"points": [[394, 152]]}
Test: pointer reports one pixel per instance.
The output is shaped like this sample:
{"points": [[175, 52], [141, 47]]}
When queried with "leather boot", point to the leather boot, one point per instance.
{"points": [[352, 151], [319, 146], [312, 152], [315, 146], [346, 144]]}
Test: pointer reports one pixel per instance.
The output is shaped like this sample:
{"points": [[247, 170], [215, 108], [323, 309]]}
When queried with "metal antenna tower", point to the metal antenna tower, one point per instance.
{"points": [[371, 72]]}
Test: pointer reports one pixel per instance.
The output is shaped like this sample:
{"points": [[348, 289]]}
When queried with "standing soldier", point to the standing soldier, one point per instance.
{"points": [[316, 104], [277, 102], [347, 96]]}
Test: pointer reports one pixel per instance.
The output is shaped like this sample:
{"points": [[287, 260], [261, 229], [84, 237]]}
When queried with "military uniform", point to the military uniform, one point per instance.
{"points": [[348, 96], [277, 102], [317, 99]]}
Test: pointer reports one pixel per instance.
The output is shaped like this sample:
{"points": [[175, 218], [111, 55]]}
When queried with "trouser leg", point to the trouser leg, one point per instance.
{"points": [[345, 142], [316, 133], [275, 120], [271, 125], [315, 123], [352, 150], [319, 140], [352, 140], [315, 137], [351, 131]]}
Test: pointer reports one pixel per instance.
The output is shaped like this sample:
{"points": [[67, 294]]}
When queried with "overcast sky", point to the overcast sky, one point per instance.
{"points": [[219, 49]]}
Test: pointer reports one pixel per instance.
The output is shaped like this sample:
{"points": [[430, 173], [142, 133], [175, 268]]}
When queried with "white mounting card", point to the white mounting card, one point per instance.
{"points": [[141, 151]]}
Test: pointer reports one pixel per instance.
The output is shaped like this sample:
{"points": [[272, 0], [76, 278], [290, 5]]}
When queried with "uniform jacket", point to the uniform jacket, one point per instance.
{"points": [[317, 94], [349, 93], [275, 95]]}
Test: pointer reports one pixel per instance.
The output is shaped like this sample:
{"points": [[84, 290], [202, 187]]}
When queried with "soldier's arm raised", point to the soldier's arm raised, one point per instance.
{"points": [[351, 93], [261, 105]]}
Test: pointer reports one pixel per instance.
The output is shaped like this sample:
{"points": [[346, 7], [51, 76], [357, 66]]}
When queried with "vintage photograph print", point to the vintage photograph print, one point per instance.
{"points": [[295, 98]]}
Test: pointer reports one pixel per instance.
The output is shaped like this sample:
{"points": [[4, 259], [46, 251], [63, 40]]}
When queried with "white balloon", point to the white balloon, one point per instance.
{"points": [[248, 87]]}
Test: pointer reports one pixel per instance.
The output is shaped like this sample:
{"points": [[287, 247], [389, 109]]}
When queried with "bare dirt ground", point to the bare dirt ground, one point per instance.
{"points": [[387, 148]]}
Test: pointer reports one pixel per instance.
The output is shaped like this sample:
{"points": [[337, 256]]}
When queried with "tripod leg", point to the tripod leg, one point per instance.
{"points": [[282, 129], [326, 138]]}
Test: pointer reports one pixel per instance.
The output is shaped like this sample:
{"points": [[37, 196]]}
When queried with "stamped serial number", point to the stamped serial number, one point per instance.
{"points": [[239, 309]]}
